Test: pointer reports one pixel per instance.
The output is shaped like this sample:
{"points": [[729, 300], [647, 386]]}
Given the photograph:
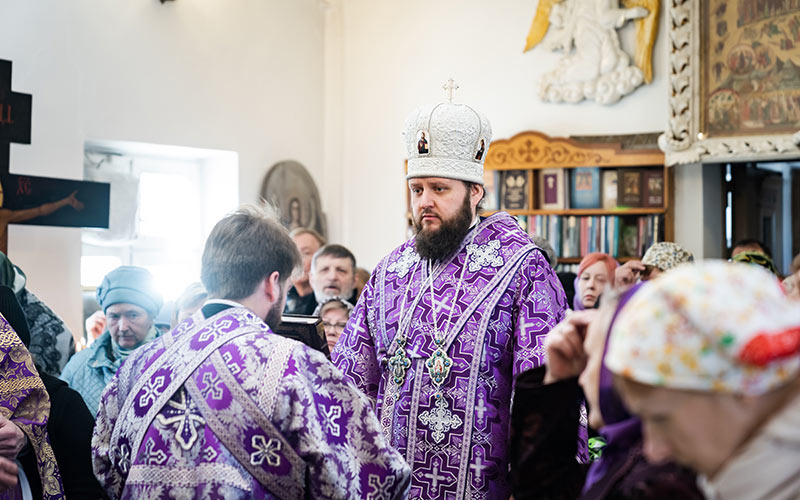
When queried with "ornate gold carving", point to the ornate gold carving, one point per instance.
{"points": [[536, 150], [646, 31], [541, 21], [682, 141]]}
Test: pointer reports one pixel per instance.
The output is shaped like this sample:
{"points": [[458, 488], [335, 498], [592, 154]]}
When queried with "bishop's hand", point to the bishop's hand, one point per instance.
{"points": [[565, 356]]}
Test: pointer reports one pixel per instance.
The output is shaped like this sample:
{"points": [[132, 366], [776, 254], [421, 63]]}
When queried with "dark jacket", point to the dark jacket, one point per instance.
{"points": [[544, 443], [70, 429], [297, 304]]}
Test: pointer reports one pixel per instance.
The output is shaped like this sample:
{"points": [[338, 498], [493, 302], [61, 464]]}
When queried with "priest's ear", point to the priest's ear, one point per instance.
{"points": [[274, 286], [476, 194]]}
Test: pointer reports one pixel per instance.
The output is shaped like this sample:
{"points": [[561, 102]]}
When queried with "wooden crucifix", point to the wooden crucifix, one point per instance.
{"points": [[42, 201]]}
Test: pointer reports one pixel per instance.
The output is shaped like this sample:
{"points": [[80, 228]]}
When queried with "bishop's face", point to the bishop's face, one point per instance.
{"points": [[443, 211], [435, 200]]}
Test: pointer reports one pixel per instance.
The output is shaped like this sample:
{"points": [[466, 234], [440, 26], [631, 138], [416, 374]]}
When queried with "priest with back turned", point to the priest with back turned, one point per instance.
{"points": [[222, 407]]}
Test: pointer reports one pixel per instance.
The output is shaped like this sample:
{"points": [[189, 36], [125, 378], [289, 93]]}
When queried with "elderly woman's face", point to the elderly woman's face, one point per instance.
{"points": [[692, 428], [333, 321], [591, 283], [128, 324]]}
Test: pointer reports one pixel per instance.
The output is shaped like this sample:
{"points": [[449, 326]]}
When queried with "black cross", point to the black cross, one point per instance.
{"points": [[42, 201]]}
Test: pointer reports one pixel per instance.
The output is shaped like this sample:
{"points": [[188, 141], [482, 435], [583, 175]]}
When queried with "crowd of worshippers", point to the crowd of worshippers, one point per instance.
{"points": [[463, 366], [706, 364]]}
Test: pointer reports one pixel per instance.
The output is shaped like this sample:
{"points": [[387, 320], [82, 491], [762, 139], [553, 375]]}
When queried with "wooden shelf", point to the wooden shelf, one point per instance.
{"points": [[533, 151], [586, 212]]}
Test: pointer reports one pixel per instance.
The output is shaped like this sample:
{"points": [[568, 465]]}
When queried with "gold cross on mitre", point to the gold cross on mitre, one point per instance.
{"points": [[450, 86]]}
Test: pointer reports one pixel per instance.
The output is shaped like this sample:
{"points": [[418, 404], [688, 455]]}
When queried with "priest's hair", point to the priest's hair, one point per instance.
{"points": [[243, 249]]}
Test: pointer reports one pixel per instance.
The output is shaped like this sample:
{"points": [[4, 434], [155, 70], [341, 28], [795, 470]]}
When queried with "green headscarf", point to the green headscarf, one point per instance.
{"points": [[757, 258]]}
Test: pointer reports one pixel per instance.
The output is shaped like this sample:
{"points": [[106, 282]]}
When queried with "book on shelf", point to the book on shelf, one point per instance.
{"points": [[514, 189], [551, 189], [585, 187], [629, 187], [522, 220], [629, 240], [609, 180], [617, 235], [653, 188], [491, 188]]}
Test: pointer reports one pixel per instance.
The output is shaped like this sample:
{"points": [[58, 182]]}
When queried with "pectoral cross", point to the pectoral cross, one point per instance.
{"points": [[39, 200], [450, 86]]}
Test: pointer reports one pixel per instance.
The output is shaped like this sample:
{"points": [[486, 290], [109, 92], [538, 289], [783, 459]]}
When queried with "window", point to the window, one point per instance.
{"points": [[164, 202]]}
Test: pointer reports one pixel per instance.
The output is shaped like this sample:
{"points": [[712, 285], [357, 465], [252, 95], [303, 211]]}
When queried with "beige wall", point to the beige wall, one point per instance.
{"points": [[239, 75]]}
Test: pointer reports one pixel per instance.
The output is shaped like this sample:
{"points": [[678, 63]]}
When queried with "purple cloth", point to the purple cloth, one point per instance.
{"points": [[24, 401], [508, 301], [622, 431], [223, 408], [577, 304]]}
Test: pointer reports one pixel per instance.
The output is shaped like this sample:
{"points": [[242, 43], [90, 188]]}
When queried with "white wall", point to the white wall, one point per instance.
{"points": [[699, 219], [239, 75], [394, 56]]}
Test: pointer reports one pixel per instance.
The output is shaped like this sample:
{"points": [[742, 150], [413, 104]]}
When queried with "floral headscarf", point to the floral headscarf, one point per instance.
{"points": [[665, 255], [712, 327]]}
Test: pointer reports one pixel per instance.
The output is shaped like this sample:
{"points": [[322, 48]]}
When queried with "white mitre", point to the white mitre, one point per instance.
{"points": [[447, 140]]}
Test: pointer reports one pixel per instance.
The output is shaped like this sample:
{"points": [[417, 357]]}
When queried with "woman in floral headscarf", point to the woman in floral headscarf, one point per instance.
{"points": [[709, 358], [659, 258]]}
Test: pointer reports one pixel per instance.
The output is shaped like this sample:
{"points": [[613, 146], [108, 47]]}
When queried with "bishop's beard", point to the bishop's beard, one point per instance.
{"points": [[438, 244]]}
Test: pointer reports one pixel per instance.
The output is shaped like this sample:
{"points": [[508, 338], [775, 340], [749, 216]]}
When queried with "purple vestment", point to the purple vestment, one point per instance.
{"points": [[222, 408], [507, 302], [24, 401]]}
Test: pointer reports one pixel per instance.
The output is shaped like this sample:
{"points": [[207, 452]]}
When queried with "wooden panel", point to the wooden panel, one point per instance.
{"points": [[534, 150]]}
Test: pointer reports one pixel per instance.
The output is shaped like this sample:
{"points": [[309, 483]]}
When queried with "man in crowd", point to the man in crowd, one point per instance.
{"points": [[333, 274], [130, 302], [300, 299], [221, 407], [450, 317]]}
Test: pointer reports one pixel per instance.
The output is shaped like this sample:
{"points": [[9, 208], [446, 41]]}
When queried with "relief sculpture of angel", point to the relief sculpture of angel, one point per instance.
{"points": [[594, 65]]}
